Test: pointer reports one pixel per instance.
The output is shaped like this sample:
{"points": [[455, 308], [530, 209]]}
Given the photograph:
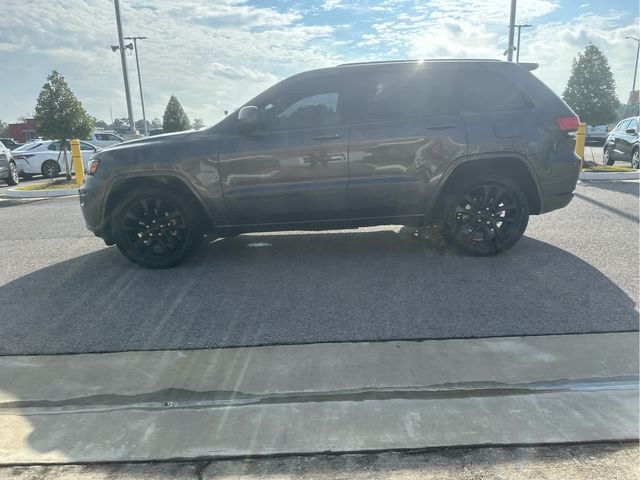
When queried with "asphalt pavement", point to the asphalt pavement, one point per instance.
{"points": [[63, 291]]}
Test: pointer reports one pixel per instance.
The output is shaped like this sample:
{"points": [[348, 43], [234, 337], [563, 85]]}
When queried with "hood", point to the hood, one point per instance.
{"points": [[152, 140]]}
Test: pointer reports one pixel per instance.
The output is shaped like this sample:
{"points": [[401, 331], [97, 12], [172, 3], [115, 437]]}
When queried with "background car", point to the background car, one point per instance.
{"points": [[8, 170], [10, 143], [43, 157], [622, 143], [103, 139]]}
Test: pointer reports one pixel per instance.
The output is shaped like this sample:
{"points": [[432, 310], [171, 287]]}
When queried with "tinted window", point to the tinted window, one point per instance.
{"points": [[489, 91], [111, 136], [622, 126], [402, 94], [86, 146], [633, 123], [304, 103], [54, 147]]}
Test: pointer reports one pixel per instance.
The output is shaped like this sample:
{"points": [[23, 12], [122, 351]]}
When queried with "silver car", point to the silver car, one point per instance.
{"points": [[8, 169]]}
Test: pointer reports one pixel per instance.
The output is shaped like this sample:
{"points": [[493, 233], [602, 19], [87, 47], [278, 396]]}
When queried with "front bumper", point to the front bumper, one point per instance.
{"points": [[549, 204], [91, 202]]}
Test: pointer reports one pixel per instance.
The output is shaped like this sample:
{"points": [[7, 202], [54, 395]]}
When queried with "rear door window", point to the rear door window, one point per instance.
{"points": [[483, 90], [401, 94]]}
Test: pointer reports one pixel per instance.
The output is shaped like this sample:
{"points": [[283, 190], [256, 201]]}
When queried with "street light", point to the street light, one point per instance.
{"points": [[635, 69], [132, 126], [135, 49], [520, 27]]}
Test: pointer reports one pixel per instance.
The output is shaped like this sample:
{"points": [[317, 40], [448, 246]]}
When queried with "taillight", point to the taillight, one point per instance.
{"points": [[568, 124], [22, 157], [93, 166]]}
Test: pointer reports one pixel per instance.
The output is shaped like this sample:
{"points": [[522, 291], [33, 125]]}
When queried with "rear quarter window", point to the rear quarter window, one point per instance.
{"points": [[489, 91]]}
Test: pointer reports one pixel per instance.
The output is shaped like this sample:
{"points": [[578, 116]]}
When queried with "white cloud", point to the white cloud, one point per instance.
{"points": [[332, 4]]}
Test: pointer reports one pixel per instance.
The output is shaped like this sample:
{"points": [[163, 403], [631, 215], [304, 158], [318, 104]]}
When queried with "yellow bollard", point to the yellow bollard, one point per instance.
{"points": [[76, 157], [580, 134]]}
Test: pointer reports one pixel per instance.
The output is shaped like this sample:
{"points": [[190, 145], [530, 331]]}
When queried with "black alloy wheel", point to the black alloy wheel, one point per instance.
{"points": [[486, 216], [155, 229], [635, 158]]}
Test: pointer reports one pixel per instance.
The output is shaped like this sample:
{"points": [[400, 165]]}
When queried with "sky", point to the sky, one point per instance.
{"points": [[215, 55]]}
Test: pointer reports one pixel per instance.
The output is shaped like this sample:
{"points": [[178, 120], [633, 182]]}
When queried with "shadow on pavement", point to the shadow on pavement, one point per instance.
{"points": [[301, 288], [627, 187]]}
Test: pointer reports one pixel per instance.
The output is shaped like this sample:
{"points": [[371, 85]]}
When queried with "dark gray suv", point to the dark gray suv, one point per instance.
{"points": [[474, 147]]}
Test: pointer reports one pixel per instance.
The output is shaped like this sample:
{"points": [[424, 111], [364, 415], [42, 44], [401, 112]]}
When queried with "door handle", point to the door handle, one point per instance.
{"points": [[326, 137], [441, 126]]}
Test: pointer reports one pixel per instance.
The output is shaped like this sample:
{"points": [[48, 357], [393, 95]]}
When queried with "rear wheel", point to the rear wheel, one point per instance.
{"points": [[156, 228], [13, 178], [50, 169], [635, 158], [607, 159], [485, 216]]}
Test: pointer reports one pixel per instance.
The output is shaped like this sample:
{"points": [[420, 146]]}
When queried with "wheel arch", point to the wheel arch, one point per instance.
{"points": [[166, 180], [510, 166]]}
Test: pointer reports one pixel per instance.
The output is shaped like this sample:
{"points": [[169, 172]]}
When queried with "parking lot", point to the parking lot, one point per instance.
{"points": [[63, 290]]}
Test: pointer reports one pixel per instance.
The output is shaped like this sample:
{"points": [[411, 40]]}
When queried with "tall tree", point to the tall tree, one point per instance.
{"points": [[174, 118], [4, 129], [60, 115], [591, 89], [156, 123], [197, 124]]}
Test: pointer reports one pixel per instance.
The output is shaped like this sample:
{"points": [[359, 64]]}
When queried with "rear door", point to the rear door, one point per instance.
{"points": [[404, 128], [4, 162], [293, 167]]}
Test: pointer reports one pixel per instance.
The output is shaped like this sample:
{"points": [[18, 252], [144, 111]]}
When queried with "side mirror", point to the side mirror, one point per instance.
{"points": [[631, 130], [248, 117]]}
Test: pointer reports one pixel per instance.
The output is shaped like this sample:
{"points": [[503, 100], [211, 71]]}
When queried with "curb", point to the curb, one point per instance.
{"points": [[63, 192], [595, 176]]}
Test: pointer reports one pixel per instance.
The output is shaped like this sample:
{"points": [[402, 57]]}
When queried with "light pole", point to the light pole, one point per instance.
{"points": [[635, 69], [135, 49], [132, 126], [520, 27], [512, 23]]}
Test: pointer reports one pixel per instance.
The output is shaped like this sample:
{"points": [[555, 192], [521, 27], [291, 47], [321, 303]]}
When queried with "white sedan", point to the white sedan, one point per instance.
{"points": [[43, 157]]}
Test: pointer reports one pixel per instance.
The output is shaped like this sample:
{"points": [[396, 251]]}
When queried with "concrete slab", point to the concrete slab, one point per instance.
{"points": [[166, 432], [329, 367], [140, 406]]}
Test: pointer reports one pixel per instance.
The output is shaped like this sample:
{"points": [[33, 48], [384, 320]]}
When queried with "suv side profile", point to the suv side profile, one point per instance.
{"points": [[474, 147], [623, 143]]}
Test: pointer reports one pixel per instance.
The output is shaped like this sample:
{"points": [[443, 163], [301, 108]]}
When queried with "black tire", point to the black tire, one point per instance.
{"points": [[485, 215], [156, 228], [50, 169], [635, 158], [607, 158], [13, 178]]}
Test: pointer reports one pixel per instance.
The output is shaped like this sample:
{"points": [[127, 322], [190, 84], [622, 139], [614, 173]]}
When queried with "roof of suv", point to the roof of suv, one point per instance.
{"points": [[527, 66]]}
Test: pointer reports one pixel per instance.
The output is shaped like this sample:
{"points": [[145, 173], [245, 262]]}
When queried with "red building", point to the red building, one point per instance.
{"points": [[23, 132]]}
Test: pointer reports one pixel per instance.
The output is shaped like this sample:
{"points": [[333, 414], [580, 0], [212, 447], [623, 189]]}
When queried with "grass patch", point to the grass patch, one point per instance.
{"points": [[606, 168], [55, 185]]}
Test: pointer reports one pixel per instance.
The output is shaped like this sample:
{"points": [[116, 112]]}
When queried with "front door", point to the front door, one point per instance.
{"points": [[293, 167]]}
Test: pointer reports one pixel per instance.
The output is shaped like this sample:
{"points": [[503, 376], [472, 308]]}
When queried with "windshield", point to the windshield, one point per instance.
{"points": [[343, 239]]}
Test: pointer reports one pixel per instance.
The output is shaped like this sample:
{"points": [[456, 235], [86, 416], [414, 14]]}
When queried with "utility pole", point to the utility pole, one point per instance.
{"points": [[512, 23], [135, 49], [520, 27], [132, 125], [635, 69]]}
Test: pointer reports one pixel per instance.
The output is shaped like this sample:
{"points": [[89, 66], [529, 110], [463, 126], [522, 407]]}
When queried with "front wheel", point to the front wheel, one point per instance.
{"points": [[607, 159], [13, 178], [635, 158], [485, 216], [156, 228]]}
